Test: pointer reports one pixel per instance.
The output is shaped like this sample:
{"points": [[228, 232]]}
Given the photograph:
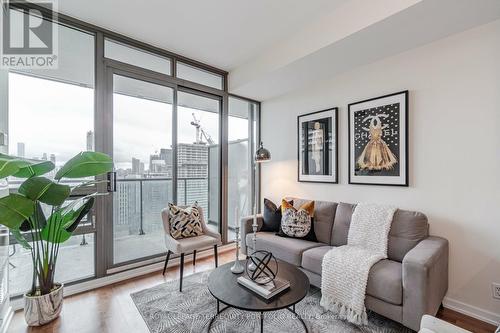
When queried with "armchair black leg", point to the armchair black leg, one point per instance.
{"points": [[194, 258], [166, 262], [216, 257], [182, 271]]}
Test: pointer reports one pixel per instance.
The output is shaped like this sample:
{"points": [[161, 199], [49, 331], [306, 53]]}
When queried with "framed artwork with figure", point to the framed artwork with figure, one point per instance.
{"points": [[378, 140], [317, 135]]}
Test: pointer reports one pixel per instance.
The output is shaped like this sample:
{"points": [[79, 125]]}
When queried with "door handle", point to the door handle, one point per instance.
{"points": [[112, 181]]}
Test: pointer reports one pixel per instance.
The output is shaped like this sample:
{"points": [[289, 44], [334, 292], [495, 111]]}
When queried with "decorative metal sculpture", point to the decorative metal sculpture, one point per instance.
{"points": [[265, 271]]}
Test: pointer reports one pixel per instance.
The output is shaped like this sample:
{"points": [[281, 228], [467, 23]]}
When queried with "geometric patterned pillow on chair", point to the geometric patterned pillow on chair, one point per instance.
{"points": [[184, 222]]}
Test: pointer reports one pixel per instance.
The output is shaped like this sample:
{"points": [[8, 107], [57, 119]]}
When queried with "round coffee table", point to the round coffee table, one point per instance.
{"points": [[225, 289]]}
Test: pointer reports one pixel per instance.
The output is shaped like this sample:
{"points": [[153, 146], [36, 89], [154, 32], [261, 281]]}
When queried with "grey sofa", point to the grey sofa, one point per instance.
{"points": [[410, 283]]}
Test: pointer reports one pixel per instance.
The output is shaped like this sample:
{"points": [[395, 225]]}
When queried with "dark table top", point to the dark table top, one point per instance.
{"points": [[224, 287]]}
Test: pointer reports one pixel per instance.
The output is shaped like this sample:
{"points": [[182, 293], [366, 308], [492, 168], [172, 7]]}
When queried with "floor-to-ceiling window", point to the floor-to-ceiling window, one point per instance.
{"points": [[169, 124], [241, 174], [51, 117]]}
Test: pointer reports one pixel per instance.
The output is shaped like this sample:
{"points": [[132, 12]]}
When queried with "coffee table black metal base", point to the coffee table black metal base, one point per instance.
{"points": [[292, 310], [223, 286]]}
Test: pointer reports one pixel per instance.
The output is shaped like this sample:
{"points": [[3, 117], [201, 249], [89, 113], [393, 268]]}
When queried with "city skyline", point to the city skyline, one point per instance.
{"points": [[65, 114]]}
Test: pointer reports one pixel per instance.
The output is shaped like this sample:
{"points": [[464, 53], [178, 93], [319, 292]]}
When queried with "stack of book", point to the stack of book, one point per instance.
{"points": [[268, 290]]}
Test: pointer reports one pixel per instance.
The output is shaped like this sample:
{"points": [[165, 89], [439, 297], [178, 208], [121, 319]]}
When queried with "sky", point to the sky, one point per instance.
{"points": [[54, 118]]}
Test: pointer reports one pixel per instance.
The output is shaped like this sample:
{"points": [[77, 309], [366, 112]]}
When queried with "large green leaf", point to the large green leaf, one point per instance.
{"points": [[65, 220], [38, 216], [34, 168], [82, 212], [23, 168], [10, 165], [20, 239], [14, 209], [53, 232], [72, 211], [45, 190], [86, 164]]}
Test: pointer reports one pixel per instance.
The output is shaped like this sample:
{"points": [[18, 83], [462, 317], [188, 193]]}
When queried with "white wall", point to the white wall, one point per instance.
{"points": [[454, 151]]}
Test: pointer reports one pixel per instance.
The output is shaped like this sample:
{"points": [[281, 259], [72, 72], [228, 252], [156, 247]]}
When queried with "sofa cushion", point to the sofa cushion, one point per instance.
{"points": [[286, 249], [385, 281], [324, 213], [340, 228], [313, 258], [407, 230]]}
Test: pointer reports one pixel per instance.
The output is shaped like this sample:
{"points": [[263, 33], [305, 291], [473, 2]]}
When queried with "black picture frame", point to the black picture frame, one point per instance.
{"points": [[329, 156], [402, 155]]}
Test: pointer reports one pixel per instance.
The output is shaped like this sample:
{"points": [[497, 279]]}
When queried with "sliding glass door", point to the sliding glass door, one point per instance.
{"points": [[165, 144], [198, 153], [142, 154]]}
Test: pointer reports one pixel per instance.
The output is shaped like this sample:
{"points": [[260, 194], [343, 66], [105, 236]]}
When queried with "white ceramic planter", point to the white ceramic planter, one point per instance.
{"points": [[40, 310]]}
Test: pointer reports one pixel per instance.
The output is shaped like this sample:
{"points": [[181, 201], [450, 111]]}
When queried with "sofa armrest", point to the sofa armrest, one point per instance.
{"points": [[425, 280], [246, 228]]}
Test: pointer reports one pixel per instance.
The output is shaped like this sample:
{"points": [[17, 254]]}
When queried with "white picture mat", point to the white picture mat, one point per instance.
{"points": [[333, 156], [390, 180]]}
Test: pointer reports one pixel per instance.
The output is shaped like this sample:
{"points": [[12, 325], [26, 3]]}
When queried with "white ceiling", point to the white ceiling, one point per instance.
{"points": [[273, 47], [356, 34], [221, 33]]}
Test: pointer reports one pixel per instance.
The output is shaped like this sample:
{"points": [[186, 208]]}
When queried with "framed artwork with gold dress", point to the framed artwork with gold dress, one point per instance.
{"points": [[378, 140]]}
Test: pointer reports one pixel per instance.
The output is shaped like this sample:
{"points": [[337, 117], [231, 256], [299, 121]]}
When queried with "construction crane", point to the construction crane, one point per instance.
{"points": [[200, 133]]}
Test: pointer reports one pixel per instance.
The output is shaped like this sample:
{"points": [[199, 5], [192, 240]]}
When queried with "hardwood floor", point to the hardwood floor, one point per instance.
{"points": [[465, 322], [110, 309]]}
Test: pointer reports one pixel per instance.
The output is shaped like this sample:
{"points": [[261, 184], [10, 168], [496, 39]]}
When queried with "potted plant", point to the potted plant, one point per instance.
{"points": [[23, 213]]}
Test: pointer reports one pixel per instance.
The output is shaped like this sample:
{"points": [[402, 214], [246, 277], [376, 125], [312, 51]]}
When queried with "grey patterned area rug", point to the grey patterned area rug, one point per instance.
{"points": [[165, 309]]}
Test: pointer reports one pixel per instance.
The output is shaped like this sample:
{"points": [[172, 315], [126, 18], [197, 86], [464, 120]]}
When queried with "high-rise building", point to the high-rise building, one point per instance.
{"points": [[160, 164], [53, 158], [192, 160], [21, 149], [192, 174], [44, 156], [153, 194], [90, 140], [136, 166]]}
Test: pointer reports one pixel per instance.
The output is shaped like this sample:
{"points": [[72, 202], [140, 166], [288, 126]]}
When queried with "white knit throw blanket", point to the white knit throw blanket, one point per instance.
{"points": [[346, 268]]}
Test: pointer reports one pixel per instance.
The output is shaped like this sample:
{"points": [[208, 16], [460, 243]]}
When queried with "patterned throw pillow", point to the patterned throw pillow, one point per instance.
{"points": [[185, 222], [297, 223]]}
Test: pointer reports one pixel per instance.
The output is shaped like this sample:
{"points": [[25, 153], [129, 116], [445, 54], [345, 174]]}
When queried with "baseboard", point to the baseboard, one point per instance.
{"points": [[472, 311], [18, 304], [7, 319]]}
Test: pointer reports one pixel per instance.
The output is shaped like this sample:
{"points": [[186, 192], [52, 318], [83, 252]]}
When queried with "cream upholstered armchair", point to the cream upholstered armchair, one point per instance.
{"points": [[190, 244]]}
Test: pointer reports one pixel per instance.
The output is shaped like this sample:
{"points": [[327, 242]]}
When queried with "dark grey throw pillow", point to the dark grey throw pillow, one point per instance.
{"points": [[271, 216]]}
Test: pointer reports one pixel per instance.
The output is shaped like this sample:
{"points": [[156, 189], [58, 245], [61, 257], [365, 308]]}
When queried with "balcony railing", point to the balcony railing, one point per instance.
{"points": [[138, 202]]}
